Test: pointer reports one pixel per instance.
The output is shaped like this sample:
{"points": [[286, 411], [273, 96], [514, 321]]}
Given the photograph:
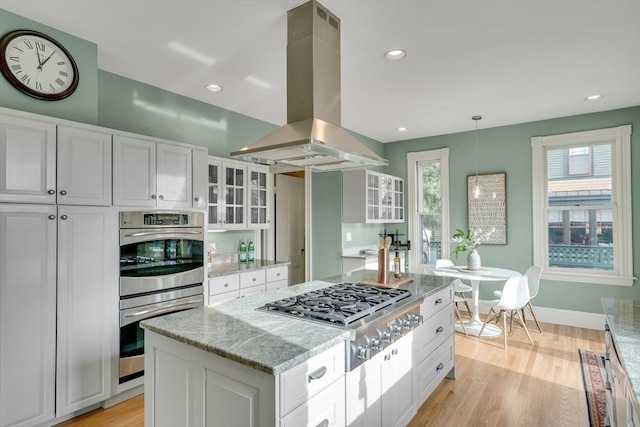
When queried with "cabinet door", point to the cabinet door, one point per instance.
{"points": [[134, 172], [364, 394], [386, 198], [373, 197], [398, 199], [398, 382], [27, 161], [87, 305], [234, 186], [174, 176], [199, 160], [84, 167], [214, 195], [259, 192], [27, 314]]}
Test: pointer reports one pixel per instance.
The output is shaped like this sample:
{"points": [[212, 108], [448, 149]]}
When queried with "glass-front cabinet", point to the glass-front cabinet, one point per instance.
{"points": [[372, 197], [259, 190]]}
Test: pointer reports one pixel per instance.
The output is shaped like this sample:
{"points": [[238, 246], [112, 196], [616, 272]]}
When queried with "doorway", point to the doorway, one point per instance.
{"points": [[289, 213]]}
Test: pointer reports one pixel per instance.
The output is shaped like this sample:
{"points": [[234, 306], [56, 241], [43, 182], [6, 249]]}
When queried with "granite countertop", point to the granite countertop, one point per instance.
{"points": [[269, 342], [623, 318], [237, 267]]}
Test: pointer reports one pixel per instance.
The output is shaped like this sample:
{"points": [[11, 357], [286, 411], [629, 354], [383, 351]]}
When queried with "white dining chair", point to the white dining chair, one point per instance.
{"points": [[459, 288], [533, 274], [514, 297]]}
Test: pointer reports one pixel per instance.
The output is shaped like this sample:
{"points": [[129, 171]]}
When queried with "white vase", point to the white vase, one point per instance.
{"points": [[473, 260]]}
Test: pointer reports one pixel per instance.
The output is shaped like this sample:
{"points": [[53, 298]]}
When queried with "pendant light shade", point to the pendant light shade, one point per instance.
{"points": [[476, 190]]}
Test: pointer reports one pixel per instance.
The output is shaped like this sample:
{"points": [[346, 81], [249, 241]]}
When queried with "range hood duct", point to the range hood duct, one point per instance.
{"points": [[312, 136]]}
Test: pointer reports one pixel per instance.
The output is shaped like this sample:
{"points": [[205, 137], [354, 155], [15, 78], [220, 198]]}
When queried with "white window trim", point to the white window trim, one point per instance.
{"points": [[620, 140], [414, 192]]}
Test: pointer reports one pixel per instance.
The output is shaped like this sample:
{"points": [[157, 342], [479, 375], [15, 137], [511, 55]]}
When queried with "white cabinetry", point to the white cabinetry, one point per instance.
{"points": [[380, 391], [29, 150], [620, 409], [199, 159], [372, 197], [27, 314], [240, 285], [149, 174], [188, 386], [50, 371], [259, 192]]}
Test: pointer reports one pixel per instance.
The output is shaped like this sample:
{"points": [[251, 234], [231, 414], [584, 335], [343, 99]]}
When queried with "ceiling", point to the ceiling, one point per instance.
{"points": [[511, 61]]}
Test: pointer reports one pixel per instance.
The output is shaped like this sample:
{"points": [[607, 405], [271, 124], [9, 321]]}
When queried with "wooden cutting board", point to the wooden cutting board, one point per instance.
{"points": [[393, 282]]}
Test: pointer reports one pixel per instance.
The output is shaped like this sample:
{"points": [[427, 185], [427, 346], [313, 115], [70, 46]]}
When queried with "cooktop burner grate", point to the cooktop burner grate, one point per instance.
{"points": [[340, 304]]}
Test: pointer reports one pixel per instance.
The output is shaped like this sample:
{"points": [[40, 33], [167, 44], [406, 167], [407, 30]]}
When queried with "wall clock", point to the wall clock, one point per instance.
{"points": [[38, 65]]}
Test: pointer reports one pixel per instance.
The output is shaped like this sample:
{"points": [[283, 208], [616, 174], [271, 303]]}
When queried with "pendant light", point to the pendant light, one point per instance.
{"points": [[476, 190]]}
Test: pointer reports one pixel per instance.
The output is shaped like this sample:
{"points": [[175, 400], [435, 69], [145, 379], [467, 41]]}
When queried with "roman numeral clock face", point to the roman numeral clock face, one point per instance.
{"points": [[37, 65]]}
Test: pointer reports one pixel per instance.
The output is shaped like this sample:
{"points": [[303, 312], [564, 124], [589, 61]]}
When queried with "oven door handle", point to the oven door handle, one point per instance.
{"points": [[129, 318], [161, 232]]}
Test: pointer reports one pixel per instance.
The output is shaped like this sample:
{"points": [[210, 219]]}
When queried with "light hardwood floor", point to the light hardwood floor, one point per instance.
{"points": [[539, 385]]}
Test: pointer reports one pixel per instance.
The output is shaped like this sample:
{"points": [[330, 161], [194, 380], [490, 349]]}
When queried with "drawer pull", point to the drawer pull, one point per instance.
{"points": [[439, 301], [440, 329], [254, 279], [226, 285], [440, 366], [394, 351], [316, 375], [324, 423]]}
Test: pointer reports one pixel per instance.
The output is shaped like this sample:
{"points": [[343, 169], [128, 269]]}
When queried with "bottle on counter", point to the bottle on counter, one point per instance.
{"points": [[396, 266], [251, 253], [243, 252]]}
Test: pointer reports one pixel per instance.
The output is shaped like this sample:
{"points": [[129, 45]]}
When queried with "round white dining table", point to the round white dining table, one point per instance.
{"points": [[485, 274]]}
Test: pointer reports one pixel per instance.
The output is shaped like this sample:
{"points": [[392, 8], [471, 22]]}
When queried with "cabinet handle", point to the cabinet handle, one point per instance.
{"points": [[278, 274], [323, 423], [387, 356], [317, 374], [197, 199], [440, 366], [440, 329], [153, 196], [254, 279], [226, 285], [51, 217], [51, 192], [439, 301], [63, 192], [161, 197], [64, 217]]}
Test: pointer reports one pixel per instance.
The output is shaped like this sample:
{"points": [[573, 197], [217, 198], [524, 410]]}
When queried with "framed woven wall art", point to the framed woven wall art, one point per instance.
{"points": [[488, 211]]}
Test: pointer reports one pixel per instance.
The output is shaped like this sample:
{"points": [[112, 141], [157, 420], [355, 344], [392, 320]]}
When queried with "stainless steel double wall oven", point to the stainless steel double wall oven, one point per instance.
{"points": [[161, 271]]}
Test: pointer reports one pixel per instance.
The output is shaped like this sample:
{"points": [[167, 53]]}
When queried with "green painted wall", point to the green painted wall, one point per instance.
{"points": [[82, 106], [508, 149]]}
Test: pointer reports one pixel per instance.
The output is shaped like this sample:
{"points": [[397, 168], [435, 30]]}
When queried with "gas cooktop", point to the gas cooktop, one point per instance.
{"points": [[342, 304]]}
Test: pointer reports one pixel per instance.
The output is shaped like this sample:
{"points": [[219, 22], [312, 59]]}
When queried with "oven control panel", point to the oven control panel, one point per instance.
{"points": [[158, 219], [166, 219]]}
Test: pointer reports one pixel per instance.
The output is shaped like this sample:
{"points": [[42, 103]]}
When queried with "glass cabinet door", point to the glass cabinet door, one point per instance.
{"points": [[373, 197], [234, 195], [258, 194], [214, 192], [398, 199], [386, 197]]}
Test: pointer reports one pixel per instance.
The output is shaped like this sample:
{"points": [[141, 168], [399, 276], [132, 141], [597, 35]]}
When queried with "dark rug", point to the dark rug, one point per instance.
{"points": [[593, 377]]}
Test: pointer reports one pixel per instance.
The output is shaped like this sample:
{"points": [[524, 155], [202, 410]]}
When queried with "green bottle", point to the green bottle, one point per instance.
{"points": [[251, 255], [243, 252]]}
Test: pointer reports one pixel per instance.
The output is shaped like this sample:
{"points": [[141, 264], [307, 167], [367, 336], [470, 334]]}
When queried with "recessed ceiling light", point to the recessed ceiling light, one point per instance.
{"points": [[213, 88], [593, 97], [394, 55], [402, 129]]}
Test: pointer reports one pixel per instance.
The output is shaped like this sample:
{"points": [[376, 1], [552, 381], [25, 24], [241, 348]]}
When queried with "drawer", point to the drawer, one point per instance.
{"points": [[245, 292], [272, 286], [327, 408], [434, 331], [277, 273], [222, 284], [436, 302], [432, 370], [222, 297], [298, 385], [251, 278]]}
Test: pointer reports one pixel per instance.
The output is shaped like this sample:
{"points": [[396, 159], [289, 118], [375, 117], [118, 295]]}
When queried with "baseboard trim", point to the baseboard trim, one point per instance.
{"points": [[125, 395], [579, 319]]}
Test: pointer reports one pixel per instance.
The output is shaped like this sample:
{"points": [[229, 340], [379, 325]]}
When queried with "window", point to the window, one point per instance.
{"points": [[582, 206], [428, 190]]}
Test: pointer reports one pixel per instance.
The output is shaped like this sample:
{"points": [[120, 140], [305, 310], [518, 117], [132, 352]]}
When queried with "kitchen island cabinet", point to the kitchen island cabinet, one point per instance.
{"points": [[210, 365], [240, 280]]}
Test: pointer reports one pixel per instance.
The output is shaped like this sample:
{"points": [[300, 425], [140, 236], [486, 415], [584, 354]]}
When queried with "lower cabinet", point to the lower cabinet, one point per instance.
{"points": [[380, 392], [240, 285], [58, 309], [186, 386], [620, 410]]}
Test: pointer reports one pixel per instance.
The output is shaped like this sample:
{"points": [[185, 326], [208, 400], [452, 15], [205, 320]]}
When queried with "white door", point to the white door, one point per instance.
{"points": [[27, 314], [289, 231]]}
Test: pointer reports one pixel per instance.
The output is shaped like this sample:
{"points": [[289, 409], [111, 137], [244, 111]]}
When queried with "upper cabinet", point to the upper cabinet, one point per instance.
{"points": [[199, 157], [372, 197], [151, 174], [238, 195], [45, 163]]}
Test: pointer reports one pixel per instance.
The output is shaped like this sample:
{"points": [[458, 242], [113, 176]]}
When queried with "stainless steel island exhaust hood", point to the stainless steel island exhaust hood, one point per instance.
{"points": [[312, 136]]}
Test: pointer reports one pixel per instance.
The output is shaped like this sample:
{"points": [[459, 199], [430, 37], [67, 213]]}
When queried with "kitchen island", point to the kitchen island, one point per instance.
{"points": [[234, 365]]}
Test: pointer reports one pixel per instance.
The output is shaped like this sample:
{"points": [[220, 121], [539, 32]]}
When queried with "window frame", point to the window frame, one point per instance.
{"points": [[620, 140], [414, 200]]}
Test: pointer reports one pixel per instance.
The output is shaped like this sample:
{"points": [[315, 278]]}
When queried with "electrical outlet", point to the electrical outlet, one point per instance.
{"points": [[348, 236]]}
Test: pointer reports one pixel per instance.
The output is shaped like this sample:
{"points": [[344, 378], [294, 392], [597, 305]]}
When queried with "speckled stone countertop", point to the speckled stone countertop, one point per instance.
{"points": [[623, 318], [266, 341], [236, 267]]}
